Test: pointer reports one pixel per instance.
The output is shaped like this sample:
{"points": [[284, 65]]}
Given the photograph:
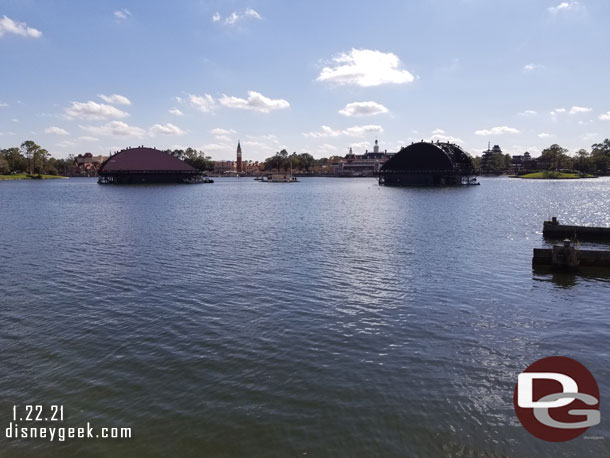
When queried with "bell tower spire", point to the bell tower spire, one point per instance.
{"points": [[239, 166]]}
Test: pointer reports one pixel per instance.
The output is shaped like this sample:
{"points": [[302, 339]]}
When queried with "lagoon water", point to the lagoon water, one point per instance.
{"points": [[328, 318]]}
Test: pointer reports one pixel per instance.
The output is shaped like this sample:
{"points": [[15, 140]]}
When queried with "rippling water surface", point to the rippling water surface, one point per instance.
{"points": [[329, 318]]}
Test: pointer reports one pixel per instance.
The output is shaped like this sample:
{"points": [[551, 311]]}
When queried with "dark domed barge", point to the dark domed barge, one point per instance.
{"points": [[146, 165], [429, 164]]}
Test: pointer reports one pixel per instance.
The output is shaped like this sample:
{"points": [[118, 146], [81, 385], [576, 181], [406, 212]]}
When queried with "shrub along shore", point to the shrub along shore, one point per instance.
{"points": [[551, 175], [26, 176]]}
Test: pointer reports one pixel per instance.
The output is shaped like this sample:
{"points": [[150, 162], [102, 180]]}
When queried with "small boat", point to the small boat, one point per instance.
{"points": [[281, 178], [197, 180]]}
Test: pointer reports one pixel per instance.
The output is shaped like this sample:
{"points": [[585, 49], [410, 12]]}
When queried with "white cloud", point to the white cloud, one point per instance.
{"points": [[87, 138], [121, 15], [544, 135], [500, 130], [166, 129], [3, 104], [93, 111], [219, 131], [230, 149], [261, 145], [326, 149], [564, 7], [115, 99], [577, 110], [365, 68], [66, 144], [360, 131], [590, 136], [325, 131], [517, 149], [56, 131], [204, 103], [270, 137], [359, 145], [255, 102], [115, 128], [7, 26], [605, 116], [527, 113], [441, 136], [176, 112], [355, 131], [531, 67], [236, 17], [363, 109]]}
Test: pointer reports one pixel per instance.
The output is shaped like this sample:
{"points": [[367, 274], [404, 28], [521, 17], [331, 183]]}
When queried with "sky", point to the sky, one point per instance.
{"points": [[316, 76]]}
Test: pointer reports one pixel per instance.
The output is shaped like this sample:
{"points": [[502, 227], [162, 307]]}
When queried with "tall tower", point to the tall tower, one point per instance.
{"points": [[376, 147], [238, 157]]}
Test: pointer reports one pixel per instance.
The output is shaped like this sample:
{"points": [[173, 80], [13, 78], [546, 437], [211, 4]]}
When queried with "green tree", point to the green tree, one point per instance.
{"points": [[277, 161], [600, 156], [294, 162], [582, 160], [477, 161], [31, 151], [555, 155], [4, 167], [39, 160], [17, 163], [306, 160]]}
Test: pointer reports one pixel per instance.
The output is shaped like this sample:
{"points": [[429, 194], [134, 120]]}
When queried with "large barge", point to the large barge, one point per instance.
{"points": [[147, 165]]}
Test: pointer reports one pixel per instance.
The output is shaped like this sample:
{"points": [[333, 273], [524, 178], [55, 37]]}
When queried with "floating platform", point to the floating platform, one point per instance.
{"points": [[569, 257], [553, 230], [586, 258]]}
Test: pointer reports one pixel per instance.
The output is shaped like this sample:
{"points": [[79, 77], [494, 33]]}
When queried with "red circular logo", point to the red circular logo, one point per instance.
{"points": [[557, 399]]}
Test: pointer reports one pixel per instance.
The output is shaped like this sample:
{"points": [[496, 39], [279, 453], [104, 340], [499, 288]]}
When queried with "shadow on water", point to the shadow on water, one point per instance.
{"points": [[568, 279]]}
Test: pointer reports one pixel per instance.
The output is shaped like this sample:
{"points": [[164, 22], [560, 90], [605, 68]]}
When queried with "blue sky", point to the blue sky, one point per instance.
{"points": [[311, 76]]}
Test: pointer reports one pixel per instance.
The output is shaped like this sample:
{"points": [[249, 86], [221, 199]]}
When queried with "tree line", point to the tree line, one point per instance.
{"points": [[32, 159], [193, 157], [595, 161], [284, 161], [555, 158]]}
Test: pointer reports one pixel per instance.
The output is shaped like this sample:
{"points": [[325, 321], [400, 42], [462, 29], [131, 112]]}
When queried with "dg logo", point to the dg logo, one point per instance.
{"points": [[557, 399]]}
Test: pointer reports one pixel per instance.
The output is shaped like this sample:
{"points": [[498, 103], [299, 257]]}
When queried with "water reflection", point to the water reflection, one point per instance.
{"points": [[569, 279]]}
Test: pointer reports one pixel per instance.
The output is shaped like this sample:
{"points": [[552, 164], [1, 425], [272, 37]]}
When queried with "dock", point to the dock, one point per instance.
{"points": [[568, 257], [553, 230]]}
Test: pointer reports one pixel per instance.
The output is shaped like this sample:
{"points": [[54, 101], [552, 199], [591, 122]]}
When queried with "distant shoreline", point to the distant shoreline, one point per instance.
{"points": [[547, 175], [25, 176]]}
